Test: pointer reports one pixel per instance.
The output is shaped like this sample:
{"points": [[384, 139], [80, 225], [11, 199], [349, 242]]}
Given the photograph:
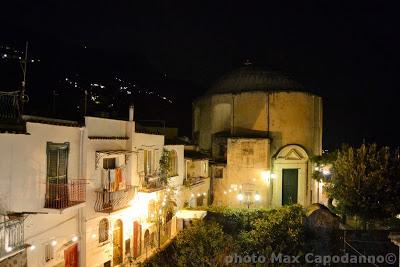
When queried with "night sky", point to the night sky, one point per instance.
{"points": [[346, 51]]}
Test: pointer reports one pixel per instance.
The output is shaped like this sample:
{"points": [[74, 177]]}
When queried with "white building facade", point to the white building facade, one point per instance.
{"points": [[90, 194]]}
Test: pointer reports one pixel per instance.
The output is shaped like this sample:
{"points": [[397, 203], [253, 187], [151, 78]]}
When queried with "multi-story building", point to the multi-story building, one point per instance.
{"points": [[91, 194]]}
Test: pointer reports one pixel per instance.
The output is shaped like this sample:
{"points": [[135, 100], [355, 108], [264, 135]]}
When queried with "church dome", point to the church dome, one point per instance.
{"points": [[249, 78]]}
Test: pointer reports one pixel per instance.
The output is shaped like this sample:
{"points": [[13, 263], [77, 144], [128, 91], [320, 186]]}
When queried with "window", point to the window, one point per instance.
{"points": [[200, 201], [49, 252], [173, 163], [218, 173], [103, 230], [57, 162], [57, 179], [109, 163], [148, 162]]}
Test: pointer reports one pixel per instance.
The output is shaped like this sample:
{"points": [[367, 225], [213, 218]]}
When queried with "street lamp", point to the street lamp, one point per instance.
{"points": [[240, 196], [248, 195]]}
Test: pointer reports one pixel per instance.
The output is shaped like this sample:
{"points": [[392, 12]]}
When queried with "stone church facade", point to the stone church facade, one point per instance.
{"points": [[261, 129]]}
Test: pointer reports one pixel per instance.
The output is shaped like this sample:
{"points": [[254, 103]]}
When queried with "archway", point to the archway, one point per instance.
{"points": [[117, 243], [146, 241], [292, 183]]}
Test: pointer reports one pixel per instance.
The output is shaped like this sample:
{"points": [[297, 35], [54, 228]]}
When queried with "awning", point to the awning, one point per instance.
{"points": [[191, 214], [101, 153]]}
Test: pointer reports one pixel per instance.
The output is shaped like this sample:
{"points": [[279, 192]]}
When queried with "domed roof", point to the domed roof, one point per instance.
{"points": [[250, 78]]}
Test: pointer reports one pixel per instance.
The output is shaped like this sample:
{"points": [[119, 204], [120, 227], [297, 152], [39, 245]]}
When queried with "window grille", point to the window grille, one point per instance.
{"points": [[103, 230]]}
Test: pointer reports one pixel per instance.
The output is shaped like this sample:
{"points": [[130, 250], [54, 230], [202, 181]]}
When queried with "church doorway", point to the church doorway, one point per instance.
{"points": [[289, 186]]}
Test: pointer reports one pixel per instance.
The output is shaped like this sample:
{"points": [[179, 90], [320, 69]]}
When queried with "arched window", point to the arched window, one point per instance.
{"points": [[103, 230], [173, 163]]}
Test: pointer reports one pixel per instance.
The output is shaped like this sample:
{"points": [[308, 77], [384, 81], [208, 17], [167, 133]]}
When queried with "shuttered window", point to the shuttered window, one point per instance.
{"points": [[48, 252], [103, 230], [173, 163], [57, 162]]}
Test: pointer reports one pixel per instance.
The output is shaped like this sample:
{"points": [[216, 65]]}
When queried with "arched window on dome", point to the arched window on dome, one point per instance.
{"points": [[103, 230]]}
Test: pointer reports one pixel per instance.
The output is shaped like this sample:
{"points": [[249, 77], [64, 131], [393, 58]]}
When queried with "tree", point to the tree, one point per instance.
{"points": [[164, 206], [203, 244], [164, 167], [279, 231], [365, 182]]}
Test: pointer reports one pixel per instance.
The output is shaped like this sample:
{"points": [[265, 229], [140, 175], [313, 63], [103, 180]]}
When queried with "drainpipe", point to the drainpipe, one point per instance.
{"points": [[82, 239], [80, 167]]}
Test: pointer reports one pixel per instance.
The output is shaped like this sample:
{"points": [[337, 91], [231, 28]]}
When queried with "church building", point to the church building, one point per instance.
{"points": [[261, 129]]}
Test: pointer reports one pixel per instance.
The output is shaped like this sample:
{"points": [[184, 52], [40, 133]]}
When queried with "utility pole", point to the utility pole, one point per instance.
{"points": [[23, 87]]}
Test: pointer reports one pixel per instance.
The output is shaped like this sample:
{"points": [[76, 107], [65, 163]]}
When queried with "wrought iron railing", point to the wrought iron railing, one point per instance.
{"points": [[150, 182], [10, 106], [109, 201], [191, 181], [61, 196], [11, 112], [11, 237]]}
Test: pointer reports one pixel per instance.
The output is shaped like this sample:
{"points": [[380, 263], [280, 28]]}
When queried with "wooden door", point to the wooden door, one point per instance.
{"points": [[117, 243], [136, 239], [71, 256], [289, 186]]}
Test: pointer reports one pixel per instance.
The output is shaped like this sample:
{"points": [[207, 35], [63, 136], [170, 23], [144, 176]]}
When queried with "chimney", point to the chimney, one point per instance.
{"points": [[131, 112]]}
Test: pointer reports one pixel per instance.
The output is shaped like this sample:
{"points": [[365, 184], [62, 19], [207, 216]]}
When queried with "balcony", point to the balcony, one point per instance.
{"points": [[109, 201], [62, 196], [10, 112], [11, 237], [192, 181], [151, 183]]}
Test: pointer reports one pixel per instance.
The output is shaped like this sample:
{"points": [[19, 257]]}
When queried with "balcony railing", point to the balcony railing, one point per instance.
{"points": [[150, 182], [61, 196], [11, 237], [191, 181], [109, 201], [10, 112]]}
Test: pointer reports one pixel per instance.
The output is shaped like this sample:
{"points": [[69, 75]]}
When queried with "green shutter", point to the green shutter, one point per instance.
{"points": [[57, 162]]}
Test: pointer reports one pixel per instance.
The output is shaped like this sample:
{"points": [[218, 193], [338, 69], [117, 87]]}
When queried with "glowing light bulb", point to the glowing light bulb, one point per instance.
{"points": [[54, 243], [326, 172], [240, 196], [8, 249], [94, 236], [266, 175], [257, 197], [74, 238], [32, 247]]}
